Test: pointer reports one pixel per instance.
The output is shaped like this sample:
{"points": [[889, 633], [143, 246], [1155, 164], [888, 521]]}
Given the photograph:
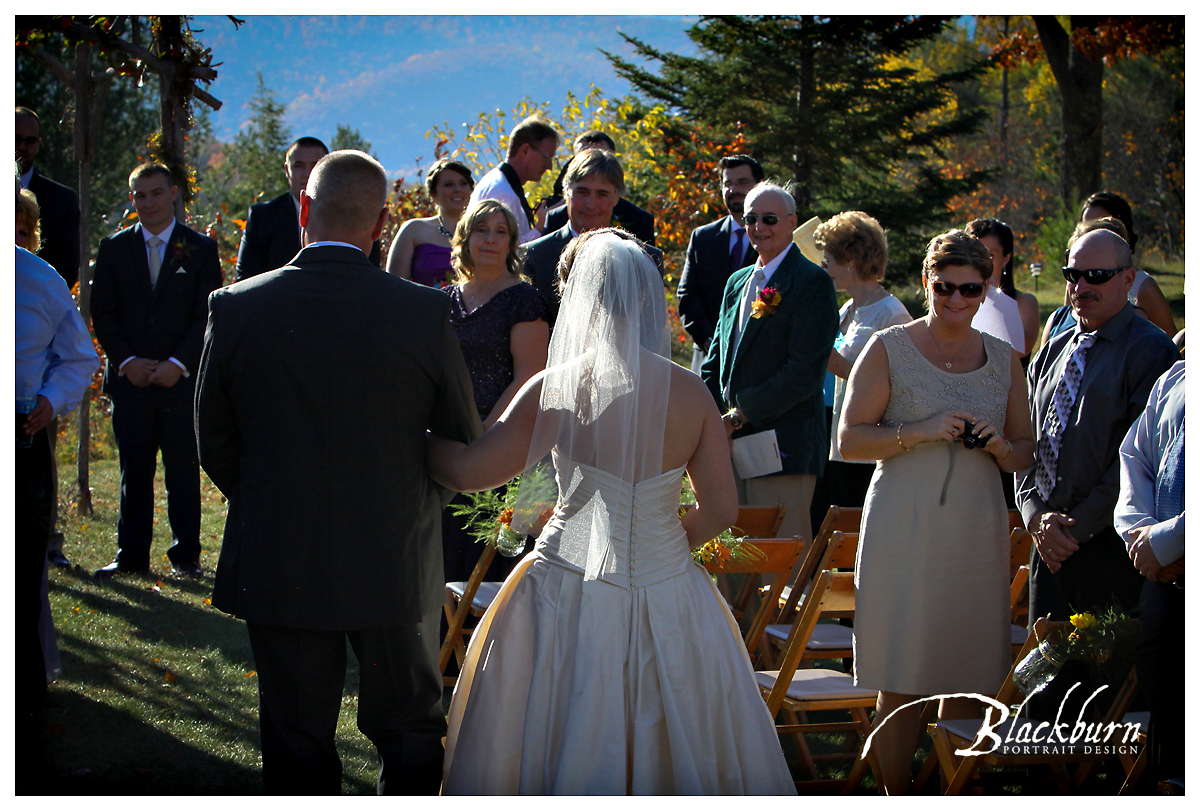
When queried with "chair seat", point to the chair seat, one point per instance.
{"points": [[1019, 634], [484, 595], [817, 685], [825, 636]]}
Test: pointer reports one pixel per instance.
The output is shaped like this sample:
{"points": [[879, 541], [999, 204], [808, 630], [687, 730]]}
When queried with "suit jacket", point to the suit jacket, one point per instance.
{"points": [[702, 283], [626, 215], [541, 265], [317, 384], [132, 320], [271, 238], [777, 377], [59, 224]]}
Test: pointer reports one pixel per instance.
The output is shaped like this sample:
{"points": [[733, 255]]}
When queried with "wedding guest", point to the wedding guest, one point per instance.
{"points": [[856, 254], [531, 148], [54, 363], [625, 215], [595, 182], [500, 321], [932, 569], [272, 233], [767, 366], [997, 237], [58, 205], [715, 251], [1087, 386], [319, 386], [149, 300], [28, 232], [1150, 516], [421, 248]]}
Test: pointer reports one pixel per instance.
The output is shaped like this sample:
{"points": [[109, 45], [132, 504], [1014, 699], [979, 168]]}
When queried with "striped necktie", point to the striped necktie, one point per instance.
{"points": [[1168, 485]]}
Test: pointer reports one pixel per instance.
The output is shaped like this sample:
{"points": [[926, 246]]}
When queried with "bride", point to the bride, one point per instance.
{"points": [[608, 663]]}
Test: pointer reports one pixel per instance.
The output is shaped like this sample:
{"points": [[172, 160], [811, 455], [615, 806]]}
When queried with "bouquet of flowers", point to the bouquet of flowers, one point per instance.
{"points": [[1104, 643], [489, 515], [722, 550]]}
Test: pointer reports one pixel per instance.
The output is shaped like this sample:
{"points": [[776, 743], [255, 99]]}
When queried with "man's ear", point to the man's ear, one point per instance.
{"points": [[380, 223], [305, 200]]}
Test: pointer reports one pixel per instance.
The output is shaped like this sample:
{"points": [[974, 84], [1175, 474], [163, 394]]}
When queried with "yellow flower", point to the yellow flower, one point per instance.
{"points": [[1083, 621]]}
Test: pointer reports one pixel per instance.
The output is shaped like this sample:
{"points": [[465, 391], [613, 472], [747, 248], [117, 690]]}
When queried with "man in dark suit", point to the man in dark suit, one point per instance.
{"points": [[714, 252], [766, 367], [317, 385], [626, 215], [59, 218], [148, 306], [271, 237], [594, 182], [58, 222]]}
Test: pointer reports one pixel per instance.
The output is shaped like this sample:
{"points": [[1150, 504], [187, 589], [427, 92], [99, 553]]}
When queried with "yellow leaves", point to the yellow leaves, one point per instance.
{"points": [[208, 601], [250, 674]]}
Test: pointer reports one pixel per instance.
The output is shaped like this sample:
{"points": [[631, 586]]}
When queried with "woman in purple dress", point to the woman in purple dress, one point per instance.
{"points": [[500, 320], [421, 249]]}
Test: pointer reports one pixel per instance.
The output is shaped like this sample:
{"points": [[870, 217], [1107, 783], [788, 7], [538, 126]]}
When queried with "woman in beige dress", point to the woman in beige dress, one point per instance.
{"points": [[932, 572]]}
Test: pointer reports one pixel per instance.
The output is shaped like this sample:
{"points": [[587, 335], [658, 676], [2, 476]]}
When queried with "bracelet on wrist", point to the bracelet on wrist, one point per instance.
{"points": [[899, 441]]}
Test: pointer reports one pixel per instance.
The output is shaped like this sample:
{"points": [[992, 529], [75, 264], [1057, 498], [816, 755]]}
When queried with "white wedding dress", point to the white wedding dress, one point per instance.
{"points": [[636, 682]]}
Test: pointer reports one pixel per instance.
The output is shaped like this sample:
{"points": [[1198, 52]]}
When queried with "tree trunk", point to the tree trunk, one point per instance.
{"points": [[1004, 111], [83, 154], [802, 159], [1080, 84], [174, 88]]}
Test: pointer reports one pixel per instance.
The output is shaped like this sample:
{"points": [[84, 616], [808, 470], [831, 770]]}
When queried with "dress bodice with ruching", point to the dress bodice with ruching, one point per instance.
{"points": [[633, 528]]}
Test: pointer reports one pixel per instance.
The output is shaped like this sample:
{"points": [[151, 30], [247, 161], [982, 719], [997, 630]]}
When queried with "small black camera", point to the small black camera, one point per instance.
{"points": [[970, 439]]}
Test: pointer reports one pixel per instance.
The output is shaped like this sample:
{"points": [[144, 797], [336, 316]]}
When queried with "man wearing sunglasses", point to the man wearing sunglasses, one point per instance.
{"points": [[766, 364], [1086, 387]]}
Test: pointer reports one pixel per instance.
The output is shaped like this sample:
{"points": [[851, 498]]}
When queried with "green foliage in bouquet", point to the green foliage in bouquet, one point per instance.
{"points": [[724, 549]]}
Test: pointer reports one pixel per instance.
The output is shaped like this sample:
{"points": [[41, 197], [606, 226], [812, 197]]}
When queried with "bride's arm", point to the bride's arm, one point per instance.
{"points": [[711, 473], [494, 458]]}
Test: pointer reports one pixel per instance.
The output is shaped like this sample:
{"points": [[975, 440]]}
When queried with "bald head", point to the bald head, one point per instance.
{"points": [[1103, 244], [345, 199]]}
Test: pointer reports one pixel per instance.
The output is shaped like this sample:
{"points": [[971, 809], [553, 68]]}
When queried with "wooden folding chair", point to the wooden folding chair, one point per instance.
{"points": [[837, 519], [1020, 546], [472, 597], [1015, 521], [754, 522], [959, 772], [778, 558], [791, 690], [829, 640]]}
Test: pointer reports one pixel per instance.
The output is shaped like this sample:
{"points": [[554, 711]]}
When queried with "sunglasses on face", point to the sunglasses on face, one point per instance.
{"points": [[767, 219], [968, 290], [1096, 276]]}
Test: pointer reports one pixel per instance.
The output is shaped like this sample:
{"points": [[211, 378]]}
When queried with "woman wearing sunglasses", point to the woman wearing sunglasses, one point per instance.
{"points": [[943, 410]]}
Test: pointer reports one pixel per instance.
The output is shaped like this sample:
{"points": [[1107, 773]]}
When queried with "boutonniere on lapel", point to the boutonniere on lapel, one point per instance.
{"points": [[181, 250], [766, 304]]}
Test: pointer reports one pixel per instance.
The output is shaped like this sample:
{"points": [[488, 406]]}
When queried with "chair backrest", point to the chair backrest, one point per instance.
{"points": [[1020, 543], [830, 595], [837, 519], [759, 522], [847, 519], [779, 556], [842, 551]]}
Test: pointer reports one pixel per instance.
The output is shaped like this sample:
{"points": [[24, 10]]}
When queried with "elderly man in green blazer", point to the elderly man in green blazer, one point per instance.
{"points": [[766, 365]]}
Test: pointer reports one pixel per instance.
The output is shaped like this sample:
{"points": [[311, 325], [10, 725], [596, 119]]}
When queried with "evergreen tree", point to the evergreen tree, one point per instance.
{"points": [[824, 103], [348, 137], [255, 158]]}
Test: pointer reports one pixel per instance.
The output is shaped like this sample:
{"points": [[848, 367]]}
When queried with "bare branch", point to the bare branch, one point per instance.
{"points": [[207, 99], [61, 71]]}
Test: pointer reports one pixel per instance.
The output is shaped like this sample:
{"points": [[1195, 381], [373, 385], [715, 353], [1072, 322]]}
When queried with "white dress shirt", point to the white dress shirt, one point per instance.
{"points": [[495, 186], [165, 236], [55, 357]]}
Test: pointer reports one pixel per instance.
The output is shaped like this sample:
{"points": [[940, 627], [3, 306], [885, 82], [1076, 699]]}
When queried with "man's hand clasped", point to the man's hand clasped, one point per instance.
{"points": [[143, 372], [1053, 539]]}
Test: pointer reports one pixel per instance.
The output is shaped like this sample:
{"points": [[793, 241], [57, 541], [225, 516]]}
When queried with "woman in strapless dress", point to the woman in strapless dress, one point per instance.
{"points": [[421, 249]]}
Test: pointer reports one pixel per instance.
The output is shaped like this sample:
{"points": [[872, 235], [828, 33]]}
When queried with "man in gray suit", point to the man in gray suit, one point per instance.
{"points": [[318, 382]]}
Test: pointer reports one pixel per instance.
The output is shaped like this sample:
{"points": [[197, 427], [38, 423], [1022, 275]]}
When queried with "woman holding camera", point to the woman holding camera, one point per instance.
{"points": [[943, 409]]}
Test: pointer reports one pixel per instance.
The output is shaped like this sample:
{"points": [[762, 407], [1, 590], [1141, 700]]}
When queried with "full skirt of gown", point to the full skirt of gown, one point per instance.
{"points": [[633, 683]]}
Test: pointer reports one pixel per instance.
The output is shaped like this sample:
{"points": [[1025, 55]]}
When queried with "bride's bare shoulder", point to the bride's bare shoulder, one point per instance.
{"points": [[687, 386]]}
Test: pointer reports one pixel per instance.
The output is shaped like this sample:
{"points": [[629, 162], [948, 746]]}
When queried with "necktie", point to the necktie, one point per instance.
{"points": [[736, 253], [752, 287], [1065, 393], [155, 260], [1168, 486]]}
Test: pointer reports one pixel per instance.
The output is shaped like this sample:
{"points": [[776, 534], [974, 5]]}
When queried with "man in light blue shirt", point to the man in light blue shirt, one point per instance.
{"points": [[1150, 518], [55, 361]]}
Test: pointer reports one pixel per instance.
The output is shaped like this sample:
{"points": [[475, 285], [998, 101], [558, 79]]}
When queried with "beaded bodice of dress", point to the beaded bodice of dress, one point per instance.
{"points": [[646, 542], [920, 389]]}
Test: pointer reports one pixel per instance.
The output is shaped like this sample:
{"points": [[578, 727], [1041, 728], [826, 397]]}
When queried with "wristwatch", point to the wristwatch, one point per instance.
{"points": [[736, 420]]}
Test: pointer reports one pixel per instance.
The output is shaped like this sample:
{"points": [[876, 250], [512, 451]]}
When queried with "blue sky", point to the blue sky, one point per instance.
{"points": [[393, 78]]}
